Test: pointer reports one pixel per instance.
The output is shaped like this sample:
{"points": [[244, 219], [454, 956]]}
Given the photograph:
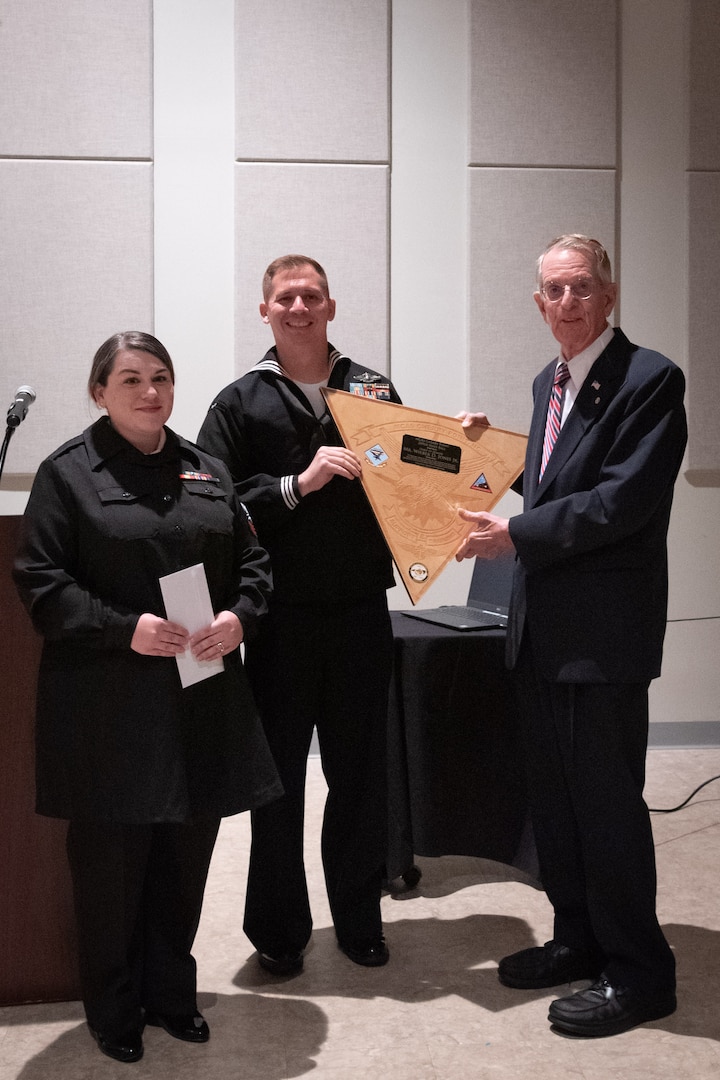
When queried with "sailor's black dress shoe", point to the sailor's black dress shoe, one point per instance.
{"points": [[126, 1047], [549, 965], [285, 964], [374, 954], [189, 1027], [604, 1009]]}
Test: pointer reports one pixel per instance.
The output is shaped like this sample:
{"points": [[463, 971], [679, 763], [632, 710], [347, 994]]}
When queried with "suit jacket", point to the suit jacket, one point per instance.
{"points": [[590, 583]]}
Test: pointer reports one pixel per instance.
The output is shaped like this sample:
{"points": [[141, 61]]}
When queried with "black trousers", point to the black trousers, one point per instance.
{"points": [[329, 669], [138, 892], [585, 757]]}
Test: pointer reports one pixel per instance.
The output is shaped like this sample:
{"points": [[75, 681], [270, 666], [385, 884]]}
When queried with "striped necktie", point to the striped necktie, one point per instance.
{"points": [[552, 425]]}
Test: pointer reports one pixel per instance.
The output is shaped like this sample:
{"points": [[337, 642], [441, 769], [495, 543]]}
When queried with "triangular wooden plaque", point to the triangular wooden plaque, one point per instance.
{"points": [[418, 469]]}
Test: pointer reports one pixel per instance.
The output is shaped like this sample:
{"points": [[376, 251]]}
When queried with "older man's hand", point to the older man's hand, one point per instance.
{"points": [[488, 538], [473, 419]]}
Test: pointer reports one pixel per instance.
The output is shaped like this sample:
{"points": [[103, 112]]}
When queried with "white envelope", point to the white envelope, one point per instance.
{"points": [[187, 601]]}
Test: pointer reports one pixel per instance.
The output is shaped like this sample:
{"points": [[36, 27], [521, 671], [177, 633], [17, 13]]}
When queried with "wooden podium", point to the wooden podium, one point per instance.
{"points": [[37, 936]]}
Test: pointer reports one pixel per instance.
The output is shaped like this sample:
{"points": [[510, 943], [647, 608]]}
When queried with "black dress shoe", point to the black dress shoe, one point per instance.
{"points": [[373, 955], [190, 1027], [127, 1047], [604, 1009], [285, 964], [549, 965]]}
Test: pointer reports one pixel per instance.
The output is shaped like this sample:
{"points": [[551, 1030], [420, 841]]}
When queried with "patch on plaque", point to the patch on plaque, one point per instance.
{"points": [[481, 483], [376, 455]]}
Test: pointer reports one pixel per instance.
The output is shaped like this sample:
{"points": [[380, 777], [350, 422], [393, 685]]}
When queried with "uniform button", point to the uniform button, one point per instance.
{"points": [[126, 495], [167, 498]]}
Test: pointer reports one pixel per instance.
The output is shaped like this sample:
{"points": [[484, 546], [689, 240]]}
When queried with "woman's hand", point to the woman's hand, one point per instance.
{"points": [[222, 636], [158, 637]]}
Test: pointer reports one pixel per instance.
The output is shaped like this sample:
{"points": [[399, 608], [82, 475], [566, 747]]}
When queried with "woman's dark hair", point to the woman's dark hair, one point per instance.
{"points": [[104, 358]]}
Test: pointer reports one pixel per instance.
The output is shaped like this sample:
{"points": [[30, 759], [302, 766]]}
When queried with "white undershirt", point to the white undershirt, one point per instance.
{"points": [[312, 393]]}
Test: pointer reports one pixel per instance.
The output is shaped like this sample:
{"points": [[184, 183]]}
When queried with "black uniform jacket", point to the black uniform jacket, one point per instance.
{"points": [[591, 576], [327, 547], [117, 737]]}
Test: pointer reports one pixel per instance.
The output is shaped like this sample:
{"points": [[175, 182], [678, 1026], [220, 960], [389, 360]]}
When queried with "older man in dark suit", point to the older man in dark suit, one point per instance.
{"points": [[587, 622]]}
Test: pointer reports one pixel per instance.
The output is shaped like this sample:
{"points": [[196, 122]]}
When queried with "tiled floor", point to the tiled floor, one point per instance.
{"points": [[437, 1011]]}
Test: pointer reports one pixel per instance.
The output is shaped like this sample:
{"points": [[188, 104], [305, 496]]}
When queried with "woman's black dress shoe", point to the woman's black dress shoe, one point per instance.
{"points": [[190, 1027], [127, 1047]]}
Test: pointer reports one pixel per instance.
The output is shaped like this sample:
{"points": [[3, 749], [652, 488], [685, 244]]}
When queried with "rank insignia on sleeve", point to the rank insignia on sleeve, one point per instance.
{"points": [[251, 523]]}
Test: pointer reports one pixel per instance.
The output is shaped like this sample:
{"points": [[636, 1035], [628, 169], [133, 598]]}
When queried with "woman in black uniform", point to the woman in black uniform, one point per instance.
{"points": [[142, 769]]}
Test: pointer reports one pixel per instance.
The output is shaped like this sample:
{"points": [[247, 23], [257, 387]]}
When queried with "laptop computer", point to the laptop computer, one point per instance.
{"points": [[487, 603]]}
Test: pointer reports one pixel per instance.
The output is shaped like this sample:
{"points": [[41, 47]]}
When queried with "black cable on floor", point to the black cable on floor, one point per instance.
{"points": [[672, 809]]}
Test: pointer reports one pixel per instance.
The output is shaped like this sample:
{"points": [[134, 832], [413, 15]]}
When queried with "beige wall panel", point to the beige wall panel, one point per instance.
{"points": [[689, 688], [703, 328], [312, 81], [513, 215], [694, 557], [543, 82], [704, 89], [335, 214], [77, 267], [76, 78]]}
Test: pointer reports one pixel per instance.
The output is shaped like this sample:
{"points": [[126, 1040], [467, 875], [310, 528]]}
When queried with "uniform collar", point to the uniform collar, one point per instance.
{"points": [[270, 361], [103, 442]]}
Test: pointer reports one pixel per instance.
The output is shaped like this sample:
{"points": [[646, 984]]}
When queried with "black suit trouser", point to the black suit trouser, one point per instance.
{"points": [[585, 757]]}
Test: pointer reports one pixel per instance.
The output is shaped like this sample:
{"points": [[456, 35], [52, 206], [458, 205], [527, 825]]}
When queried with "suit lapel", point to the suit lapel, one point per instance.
{"points": [[602, 383]]}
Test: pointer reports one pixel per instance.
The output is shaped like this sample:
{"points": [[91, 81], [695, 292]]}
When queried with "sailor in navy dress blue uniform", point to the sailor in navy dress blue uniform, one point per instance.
{"points": [[324, 655]]}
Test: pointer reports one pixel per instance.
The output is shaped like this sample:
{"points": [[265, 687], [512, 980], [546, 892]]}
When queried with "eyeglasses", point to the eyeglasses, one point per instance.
{"points": [[583, 289]]}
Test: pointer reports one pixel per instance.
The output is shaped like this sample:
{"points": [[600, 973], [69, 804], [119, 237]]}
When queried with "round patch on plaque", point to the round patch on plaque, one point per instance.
{"points": [[418, 572]]}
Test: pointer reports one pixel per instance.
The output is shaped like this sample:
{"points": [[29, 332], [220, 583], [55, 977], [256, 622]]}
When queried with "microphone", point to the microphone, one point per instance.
{"points": [[24, 397]]}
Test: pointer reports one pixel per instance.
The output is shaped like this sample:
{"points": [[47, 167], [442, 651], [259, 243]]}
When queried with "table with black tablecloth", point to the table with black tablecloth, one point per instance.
{"points": [[455, 769]]}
